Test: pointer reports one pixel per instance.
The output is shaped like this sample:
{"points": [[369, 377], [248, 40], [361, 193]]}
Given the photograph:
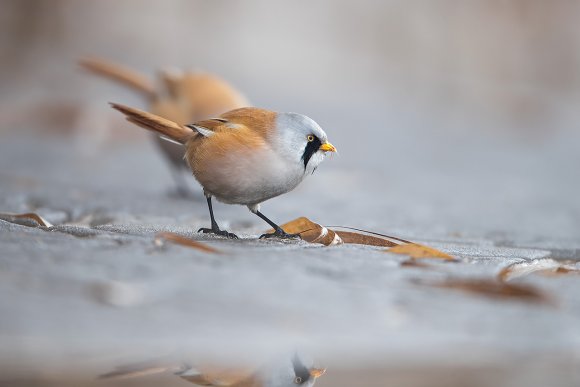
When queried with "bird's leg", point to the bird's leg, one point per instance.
{"points": [[214, 226], [278, 232]]}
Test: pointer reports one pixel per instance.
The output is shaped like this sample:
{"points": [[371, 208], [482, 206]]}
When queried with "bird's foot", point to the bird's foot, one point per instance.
{"points": [[219, 232], [279, 233]]}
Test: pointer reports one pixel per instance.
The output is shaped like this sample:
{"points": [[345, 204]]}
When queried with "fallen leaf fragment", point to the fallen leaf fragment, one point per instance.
{"points": [[13, 218], [417, 251], [311, 232], [546, 267], [187, 242], [300, 225], [364, 239], [494, 289]]}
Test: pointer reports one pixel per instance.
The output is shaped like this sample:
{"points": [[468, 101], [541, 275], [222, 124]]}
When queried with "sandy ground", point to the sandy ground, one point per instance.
{"points": [[95, 291]]}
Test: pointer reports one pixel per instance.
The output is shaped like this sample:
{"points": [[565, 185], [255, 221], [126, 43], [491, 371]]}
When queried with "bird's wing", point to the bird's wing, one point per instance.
{"points": [[120, 74], [212, 126], [259, 121], [247, 122]]}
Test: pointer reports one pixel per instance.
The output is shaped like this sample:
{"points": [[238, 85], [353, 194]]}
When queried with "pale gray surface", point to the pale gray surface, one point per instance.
{"points": [[102, 289]]}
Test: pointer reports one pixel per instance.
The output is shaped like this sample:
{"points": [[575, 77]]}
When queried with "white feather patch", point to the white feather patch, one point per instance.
{"points": [[201, 130], [170, 140]]}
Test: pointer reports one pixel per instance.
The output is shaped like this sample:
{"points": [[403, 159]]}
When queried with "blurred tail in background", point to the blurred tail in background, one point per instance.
{"points": [[182, 97], [122, 75]]}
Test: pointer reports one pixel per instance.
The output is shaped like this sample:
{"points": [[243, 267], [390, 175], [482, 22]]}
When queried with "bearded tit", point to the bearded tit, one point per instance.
{"points": [[245, 156]]}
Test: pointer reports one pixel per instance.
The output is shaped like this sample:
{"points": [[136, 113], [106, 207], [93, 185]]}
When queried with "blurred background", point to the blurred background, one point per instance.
{"points": [[452, 118], [431, 100]]}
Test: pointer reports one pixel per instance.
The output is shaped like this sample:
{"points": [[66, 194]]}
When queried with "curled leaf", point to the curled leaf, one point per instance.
{"points": [[300, 225], [364, 239], [416, 251], [494, 289], [546, 267], [183, 241], [311, 232], [22, 219]]}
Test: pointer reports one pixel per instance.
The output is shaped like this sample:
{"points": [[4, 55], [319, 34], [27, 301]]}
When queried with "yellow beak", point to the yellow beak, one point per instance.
{"points": [[327, 147]]}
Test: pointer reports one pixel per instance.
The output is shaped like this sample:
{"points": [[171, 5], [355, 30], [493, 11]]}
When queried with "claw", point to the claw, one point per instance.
{"points": [[279, 233], [219, 232]]}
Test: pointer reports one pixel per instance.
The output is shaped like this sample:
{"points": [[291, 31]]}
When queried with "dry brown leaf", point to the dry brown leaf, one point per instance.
{"points": [[30, 216], [546, 267], [328, 238], [300, 225], [364, 239], [494, 289], [187, 242], [311, 232], [416, 251]]}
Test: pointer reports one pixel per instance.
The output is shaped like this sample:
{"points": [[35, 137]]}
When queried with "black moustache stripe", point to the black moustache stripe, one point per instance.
{"points": [[311, 148]]}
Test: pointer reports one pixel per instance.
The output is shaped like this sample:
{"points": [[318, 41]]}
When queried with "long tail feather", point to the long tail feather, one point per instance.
{"points": [[159, 125], [120, 74]]}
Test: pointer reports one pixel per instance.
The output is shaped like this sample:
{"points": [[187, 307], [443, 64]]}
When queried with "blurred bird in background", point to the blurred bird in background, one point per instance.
{"points": [[180, 96], [280, 373]]}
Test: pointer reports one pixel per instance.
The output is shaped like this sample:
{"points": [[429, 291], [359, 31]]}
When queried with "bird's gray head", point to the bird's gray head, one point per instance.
{"points": [[295, 374], [302, 140]]}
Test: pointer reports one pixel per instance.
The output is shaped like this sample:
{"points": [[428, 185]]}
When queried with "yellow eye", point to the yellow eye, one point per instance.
{"points": [[310, 138]]}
